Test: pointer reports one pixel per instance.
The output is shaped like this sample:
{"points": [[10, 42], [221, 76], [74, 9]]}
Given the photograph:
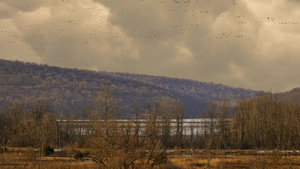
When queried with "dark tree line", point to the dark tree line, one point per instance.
{"points": [[264, 122], [267, 122]]}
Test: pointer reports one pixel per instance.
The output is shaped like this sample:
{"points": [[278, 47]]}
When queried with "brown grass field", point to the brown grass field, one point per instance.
{"points": [[28, 158]]}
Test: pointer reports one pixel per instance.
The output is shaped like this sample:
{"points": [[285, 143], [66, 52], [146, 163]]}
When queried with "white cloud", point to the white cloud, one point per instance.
{"points": [[183, 55]]}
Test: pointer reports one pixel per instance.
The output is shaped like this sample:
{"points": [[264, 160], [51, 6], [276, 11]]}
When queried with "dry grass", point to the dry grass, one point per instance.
{"points": [[28, 158], [236, 162], [61, 163], [201, 162]]}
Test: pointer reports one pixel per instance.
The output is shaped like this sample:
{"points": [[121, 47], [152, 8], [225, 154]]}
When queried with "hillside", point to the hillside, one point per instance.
{"points": [[292, 94], [72, 89], [200, 90]]}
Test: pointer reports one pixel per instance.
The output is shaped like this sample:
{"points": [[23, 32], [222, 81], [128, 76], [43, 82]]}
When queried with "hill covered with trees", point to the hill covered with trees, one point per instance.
{"points": [[72, 89]]}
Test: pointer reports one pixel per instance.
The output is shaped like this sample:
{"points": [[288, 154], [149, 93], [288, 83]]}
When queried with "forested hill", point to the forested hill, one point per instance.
{"points": [[293, 94], [72, 89], [200, 90]]}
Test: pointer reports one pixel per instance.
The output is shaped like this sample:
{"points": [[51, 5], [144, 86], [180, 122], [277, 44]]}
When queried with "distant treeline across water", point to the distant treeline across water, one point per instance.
{"points": [[189, 127]]}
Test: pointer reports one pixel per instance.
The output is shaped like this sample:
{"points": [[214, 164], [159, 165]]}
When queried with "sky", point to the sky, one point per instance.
{"points": [[252, 44]]}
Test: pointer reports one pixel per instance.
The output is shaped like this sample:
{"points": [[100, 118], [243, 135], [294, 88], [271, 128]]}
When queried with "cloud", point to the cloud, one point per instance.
{"points": [[251, 44]]}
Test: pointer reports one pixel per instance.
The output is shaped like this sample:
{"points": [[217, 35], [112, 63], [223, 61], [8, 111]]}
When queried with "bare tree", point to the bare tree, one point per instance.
{"points": [[179, 115], [116, 143], [5, 131], [210, 130], [105, 126], [223, 124], [43, 126], [154, 145], [166, 111], [15, 126]]}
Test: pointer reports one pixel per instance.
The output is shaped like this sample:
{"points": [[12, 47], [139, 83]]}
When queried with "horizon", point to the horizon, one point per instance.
{"points": [[243, 44]]}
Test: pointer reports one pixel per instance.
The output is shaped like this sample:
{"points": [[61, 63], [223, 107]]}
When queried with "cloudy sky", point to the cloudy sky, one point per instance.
{"points": [[242, 43]]}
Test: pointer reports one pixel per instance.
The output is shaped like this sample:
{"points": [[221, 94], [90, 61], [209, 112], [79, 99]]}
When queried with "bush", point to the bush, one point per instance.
{"points": [[246, 144], [160, 159], [78, 155], [47, 150]]}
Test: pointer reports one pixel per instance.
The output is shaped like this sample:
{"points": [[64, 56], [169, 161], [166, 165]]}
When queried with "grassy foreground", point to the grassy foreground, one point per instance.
{"points": [[28, 158]]}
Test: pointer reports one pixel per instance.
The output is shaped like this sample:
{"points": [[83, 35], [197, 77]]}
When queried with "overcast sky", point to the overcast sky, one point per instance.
{"points": [[252, 44]]}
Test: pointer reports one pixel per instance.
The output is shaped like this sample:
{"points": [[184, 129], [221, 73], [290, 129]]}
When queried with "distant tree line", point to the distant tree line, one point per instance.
{"points": [[263, 122]]}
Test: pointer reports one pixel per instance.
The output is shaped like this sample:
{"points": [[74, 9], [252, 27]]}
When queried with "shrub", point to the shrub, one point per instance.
{"points": [[160, 159], [78, 155], [47, 150]]}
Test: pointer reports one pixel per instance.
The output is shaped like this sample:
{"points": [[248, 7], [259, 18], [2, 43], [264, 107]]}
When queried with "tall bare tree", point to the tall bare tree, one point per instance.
{"points": [[116, 143], [105, 126], [15, 126], [43, 127]]}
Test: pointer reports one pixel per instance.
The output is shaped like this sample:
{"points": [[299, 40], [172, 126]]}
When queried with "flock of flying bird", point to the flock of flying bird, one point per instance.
{"points": [[68, 29]]}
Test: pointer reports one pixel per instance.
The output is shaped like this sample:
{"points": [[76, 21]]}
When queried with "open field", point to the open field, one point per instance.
{"points": [[186, 159], [239, 161]]}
